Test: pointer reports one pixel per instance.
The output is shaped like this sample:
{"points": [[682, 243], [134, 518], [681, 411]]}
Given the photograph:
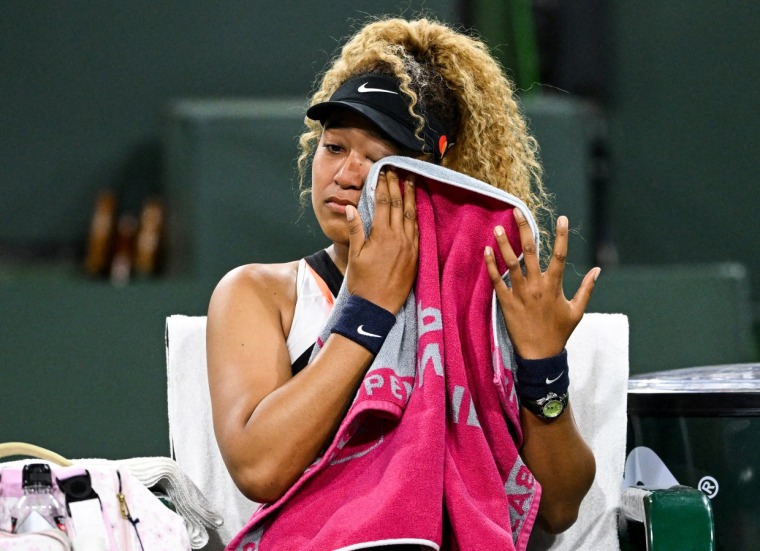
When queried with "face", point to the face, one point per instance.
{"points": [[349, 145]]}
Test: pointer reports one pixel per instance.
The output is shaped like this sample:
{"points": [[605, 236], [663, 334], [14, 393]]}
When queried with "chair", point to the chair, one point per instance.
{"points": [[655, 520], [191, 432]]}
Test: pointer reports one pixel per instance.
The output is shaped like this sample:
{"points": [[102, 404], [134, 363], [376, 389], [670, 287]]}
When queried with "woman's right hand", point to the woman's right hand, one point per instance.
{"points": [[382, 266]]}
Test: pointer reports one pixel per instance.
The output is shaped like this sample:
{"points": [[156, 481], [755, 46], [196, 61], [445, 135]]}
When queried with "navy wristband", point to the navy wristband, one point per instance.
{"points": [[536, 378], [364, 322]]}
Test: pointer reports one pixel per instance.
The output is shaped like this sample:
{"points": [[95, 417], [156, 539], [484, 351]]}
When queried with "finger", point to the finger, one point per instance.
{"points": [[509, 256], [382, 200], [530, 252], [410, 207], [559, 255], [583, 294], [356, 237], [493, 272], [397, 201]]}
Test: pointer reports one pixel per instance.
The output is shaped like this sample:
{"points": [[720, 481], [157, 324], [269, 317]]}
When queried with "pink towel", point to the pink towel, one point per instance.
{"points": [[428, 453]]}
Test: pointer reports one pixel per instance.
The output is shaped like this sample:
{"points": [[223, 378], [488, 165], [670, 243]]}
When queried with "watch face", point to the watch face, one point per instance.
{"points": [[553, 408]]}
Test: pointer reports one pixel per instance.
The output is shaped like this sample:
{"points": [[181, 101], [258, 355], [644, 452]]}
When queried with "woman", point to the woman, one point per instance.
{"points": [[417, 89]]}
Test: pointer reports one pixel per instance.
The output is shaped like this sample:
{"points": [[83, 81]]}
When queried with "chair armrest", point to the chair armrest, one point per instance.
{"points": [[677, 518]]}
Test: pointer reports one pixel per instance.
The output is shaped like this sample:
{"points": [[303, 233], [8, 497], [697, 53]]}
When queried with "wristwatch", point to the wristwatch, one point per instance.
{"points": [[550, 406]]}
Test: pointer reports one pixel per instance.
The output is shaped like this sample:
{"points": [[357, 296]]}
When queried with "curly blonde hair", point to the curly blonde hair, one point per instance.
{"points": [[456, 79]]}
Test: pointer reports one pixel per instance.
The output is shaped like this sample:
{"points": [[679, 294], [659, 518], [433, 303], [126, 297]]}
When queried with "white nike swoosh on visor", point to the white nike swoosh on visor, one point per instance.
{"points": [[363, 89], [361, 331], [548, 381]]}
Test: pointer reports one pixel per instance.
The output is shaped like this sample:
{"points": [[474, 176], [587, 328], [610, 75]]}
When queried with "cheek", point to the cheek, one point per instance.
{"points": [[314, 198], [320, 181], [317, 183], [320, 169]]}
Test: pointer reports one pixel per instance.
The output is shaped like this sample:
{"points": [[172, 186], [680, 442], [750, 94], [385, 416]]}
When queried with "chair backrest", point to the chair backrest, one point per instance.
{"points": [[598, 356], [598, 359], [191, 431]]}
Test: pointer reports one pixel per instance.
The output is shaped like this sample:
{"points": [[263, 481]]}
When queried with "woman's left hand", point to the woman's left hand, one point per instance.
{"points": [[539, 318]]}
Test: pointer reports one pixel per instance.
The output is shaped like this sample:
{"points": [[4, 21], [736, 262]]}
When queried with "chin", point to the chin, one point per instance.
{"points": [[335, 230]]}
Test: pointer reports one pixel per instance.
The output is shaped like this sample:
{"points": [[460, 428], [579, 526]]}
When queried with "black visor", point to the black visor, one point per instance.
{"points": [[379, 99]]}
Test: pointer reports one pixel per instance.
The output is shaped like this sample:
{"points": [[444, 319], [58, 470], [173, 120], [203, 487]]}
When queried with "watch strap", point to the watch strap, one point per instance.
{"points": [[550, 406]]}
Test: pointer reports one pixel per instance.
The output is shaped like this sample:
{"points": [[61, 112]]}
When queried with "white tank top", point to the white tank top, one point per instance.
{"points": [[314, 302]]}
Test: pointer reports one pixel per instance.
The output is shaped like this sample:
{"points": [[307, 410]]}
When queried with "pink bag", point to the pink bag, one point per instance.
{"points": [[49, 540], [102, 505]]}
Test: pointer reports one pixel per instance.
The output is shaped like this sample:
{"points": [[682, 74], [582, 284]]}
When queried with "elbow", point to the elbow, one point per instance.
{"points": [[261, 472], [258, 475], [560, 510], [260, 484], [556, 522]]}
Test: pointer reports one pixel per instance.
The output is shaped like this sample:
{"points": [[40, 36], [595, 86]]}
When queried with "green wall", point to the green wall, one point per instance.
{"points": [[684, 132], [83, 88], [83, 363]]}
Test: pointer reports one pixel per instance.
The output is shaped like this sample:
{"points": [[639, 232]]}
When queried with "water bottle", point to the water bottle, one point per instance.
{"points": [[38, 509]]}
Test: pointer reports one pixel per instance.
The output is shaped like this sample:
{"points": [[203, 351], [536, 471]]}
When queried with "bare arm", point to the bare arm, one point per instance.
{"points": [[540, 320], [270, 425]]}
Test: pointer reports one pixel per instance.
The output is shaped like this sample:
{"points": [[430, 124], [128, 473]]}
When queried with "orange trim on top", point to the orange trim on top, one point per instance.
{"points": [[322, 286]]}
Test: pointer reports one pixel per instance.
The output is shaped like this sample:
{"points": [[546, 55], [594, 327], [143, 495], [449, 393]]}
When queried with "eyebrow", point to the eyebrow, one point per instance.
{"points": [[337, 124], [399, 149]]}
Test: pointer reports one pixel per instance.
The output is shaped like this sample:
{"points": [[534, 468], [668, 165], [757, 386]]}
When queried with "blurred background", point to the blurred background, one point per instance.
{"points": [[149, 147]]}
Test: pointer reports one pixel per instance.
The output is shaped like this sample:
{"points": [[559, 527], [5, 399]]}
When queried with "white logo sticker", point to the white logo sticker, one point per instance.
{"points": [[363, 89], [550, 381], [709, 486], [361, 331]]}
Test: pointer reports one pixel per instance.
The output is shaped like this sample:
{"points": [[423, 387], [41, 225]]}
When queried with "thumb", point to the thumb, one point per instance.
{"points": [[356, 237]]}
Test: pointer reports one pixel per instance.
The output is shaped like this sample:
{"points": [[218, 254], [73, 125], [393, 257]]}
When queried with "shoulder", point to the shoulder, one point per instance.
{"points": [[274, 281], [256, 288]]}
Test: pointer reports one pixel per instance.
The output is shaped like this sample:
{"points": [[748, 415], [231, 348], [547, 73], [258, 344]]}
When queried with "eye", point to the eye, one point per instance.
{"points": [[333, 148], [376, 156]]}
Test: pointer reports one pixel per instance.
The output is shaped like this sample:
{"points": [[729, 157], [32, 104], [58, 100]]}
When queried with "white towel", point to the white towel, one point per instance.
{"points": [[598, 359], [190, 427]]}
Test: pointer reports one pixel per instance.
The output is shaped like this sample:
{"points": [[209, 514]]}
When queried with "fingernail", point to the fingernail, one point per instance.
{"points": [[562, 222], [410, 179], [596, 275], [488, 251], [518, 214], [498, 230], [350, 212]]}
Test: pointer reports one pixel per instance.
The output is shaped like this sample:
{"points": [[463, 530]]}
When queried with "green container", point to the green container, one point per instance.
{"points": [[704, 424]]}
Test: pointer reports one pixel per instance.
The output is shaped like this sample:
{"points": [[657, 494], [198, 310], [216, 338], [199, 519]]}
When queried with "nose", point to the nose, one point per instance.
{"points": [[353, 171]]}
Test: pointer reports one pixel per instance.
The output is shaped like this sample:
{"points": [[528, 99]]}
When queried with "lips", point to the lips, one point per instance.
{"points": [[339, 204]]}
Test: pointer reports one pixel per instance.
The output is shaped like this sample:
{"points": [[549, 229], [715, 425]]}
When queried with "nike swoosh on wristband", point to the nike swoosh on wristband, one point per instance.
{"points": [[548, 381], [363, 89], [361, 331]]}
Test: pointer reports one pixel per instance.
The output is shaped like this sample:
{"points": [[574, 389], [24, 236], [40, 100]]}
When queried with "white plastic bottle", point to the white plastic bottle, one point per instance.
{"points": [[38, 509]]}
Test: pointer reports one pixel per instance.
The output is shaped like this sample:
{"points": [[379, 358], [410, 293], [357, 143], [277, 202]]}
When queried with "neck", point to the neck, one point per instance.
{"points": [[339, 255]]}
